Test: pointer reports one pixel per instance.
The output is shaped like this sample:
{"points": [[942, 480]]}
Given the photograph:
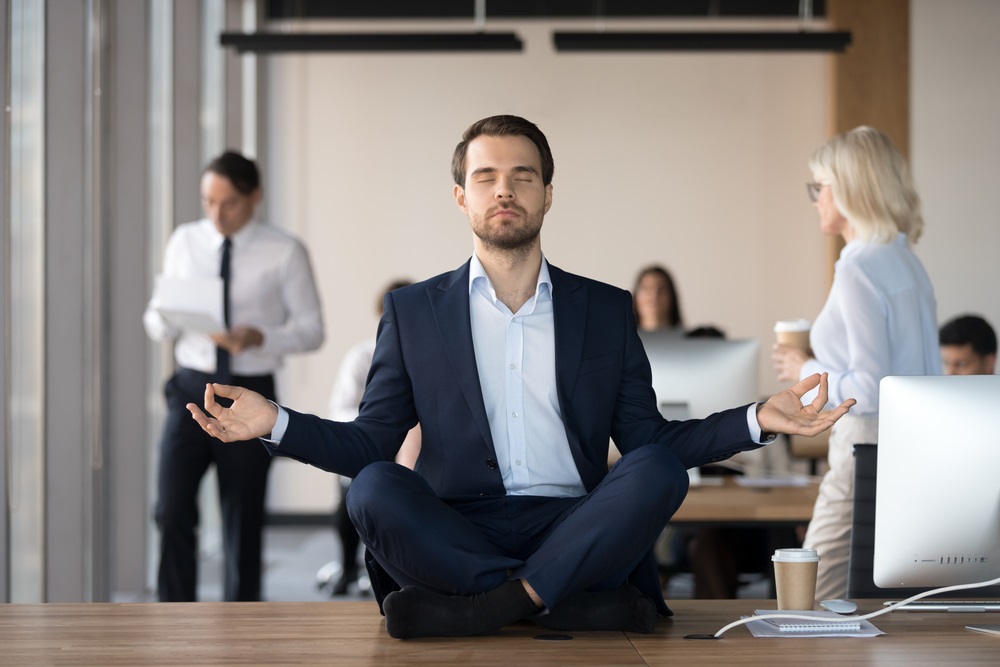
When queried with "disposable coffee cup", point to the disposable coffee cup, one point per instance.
{"points": [[793, 332], [795, 577]]}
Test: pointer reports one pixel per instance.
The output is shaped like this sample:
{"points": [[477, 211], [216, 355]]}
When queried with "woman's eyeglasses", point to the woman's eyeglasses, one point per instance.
{"points": [[812, 189]]}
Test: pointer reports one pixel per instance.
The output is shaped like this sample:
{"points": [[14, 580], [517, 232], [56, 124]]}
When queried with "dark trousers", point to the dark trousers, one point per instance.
{"points": [[186, 452], [559, 545], [348, 534]]}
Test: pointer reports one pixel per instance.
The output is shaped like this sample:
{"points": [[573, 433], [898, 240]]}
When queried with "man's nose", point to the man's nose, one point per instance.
{"points": [[504, 189]]}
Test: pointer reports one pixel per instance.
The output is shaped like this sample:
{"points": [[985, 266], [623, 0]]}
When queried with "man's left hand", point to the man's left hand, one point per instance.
{"points": [[784, 412], [238, 339]]}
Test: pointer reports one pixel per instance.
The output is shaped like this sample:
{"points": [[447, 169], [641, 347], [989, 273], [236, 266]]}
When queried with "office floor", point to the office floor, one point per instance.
{"points": [[293, 555]]}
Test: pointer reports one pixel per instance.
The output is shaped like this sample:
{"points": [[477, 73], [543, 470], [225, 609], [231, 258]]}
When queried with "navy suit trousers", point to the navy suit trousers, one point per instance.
{"points": [[558, 545], [186, 452]]}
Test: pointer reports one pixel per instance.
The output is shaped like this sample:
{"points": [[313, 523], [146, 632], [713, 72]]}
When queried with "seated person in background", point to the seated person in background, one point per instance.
{"points": [[968, 346], [655, 301], [705, 331], [344, 401]]}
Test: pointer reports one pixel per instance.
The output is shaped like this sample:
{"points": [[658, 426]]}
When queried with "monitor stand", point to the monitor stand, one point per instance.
{"points": [[972, 606]]}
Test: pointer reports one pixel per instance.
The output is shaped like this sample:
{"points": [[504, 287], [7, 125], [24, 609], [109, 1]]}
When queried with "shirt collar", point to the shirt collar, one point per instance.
{"points": [[856, 245], [239, 238], [477, 274]]}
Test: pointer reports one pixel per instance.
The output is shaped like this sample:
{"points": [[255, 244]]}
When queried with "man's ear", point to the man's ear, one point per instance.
{"points": [[548, 197], [459, 193]]}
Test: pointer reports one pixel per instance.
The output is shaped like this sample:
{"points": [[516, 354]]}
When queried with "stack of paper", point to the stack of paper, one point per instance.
{"points": [[191, 304]]}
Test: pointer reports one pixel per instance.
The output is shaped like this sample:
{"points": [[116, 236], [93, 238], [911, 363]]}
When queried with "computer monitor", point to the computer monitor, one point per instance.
{"points": [[694, 377], [937, 499]]}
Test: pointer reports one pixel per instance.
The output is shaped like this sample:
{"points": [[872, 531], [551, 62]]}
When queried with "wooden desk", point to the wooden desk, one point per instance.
{"points": [[353, 633], [731, 504]]}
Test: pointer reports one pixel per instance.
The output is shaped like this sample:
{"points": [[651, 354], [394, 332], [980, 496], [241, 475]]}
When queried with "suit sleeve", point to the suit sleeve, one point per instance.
{"points": [[387, 414]]}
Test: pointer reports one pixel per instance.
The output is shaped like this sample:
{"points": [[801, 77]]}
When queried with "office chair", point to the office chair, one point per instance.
{"points": [[861, 563]]}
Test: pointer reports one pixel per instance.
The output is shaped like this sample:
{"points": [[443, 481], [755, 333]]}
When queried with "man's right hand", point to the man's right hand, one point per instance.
{"points": [[250, 416]]}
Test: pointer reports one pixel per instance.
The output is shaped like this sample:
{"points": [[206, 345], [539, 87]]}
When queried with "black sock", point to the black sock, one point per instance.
{"points": [[415, 612], [623, 609]]}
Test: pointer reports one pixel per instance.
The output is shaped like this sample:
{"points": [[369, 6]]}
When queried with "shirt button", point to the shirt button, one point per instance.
{"points": [[491, 464], [512, 367], [518, 462], [514, 415]]}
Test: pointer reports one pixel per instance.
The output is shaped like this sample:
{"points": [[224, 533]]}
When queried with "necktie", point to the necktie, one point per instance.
{"points": [[222, 371]]}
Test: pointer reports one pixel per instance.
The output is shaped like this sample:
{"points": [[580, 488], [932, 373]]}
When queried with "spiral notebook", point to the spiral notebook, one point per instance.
{"points": [[835, 624], [825, 625]]}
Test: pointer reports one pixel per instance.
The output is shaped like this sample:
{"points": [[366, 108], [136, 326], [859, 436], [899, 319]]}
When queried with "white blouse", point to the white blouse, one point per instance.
{"points": [[880, 319]]}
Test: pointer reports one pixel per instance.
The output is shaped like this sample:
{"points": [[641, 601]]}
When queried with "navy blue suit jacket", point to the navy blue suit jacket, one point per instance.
{"points": [[424, 369]]}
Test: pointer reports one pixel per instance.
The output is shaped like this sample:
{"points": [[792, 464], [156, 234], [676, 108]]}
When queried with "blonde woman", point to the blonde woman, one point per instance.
{"points": [[879, 319]]}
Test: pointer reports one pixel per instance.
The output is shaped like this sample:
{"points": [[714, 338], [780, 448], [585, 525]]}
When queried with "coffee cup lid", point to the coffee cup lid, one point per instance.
{"points": [[795, 556], [791, 325]]}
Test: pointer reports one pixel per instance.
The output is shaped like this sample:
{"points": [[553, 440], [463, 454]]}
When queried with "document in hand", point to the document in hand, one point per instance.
{"points": [[191, 304]]}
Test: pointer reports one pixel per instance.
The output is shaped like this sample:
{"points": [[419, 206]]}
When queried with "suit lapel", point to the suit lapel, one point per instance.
{"points": [[449, 301], [569, 307]]}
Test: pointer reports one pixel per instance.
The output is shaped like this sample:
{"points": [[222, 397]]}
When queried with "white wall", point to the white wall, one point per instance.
{"points": [[954, 149], [696, 161], [693, 160]]}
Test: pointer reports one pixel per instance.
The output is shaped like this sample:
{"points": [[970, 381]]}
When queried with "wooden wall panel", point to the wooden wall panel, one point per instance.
{"points": [[871, 80]]}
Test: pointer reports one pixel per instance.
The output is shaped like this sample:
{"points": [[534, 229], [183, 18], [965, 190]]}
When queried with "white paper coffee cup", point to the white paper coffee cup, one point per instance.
{"points": [[793, 332], [795, 577]]}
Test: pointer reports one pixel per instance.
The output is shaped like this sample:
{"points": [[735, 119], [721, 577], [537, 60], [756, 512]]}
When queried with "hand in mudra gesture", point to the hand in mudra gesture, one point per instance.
{"points": [[250, 416], [784, 412]]}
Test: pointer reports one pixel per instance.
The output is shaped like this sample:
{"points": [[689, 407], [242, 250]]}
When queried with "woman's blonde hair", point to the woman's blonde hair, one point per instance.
{"points": [[871, 185]]}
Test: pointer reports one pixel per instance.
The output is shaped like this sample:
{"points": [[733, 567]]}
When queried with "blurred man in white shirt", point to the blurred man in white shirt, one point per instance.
{"points": [[270, 308]]}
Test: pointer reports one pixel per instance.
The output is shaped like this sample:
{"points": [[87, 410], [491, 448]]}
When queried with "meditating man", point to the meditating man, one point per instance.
{"points": [[519, 373]]}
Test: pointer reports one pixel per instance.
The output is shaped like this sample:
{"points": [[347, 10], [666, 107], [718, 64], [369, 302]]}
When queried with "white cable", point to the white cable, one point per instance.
{"points": [[855, 619]]}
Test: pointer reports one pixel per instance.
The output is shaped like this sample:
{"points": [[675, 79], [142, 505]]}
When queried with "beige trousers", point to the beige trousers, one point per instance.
{"points": [[829, 531]]}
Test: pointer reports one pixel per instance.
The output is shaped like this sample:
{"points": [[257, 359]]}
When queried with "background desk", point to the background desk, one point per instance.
{"points": [[776, 511], [731, 504], [353, 633]]}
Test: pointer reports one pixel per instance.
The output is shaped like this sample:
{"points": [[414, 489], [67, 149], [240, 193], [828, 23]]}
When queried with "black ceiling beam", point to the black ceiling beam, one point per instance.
{"points": [[536, 9], [278, 42], [701, 41]]}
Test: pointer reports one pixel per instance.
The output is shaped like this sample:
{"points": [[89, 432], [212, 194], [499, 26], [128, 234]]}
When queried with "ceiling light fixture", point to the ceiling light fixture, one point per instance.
{"points": [[804, 39], [701, 41], [288, 42]]}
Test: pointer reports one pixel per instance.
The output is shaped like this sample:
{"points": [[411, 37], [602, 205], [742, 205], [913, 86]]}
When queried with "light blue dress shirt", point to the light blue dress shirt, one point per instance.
{"points": [[516, 360]]}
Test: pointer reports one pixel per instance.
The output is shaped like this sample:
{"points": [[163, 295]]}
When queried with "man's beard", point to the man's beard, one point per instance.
{"points": [[508, 237]]}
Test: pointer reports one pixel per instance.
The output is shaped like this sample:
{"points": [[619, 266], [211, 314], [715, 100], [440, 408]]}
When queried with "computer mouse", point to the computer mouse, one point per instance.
{"points": [[839, 606]]}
